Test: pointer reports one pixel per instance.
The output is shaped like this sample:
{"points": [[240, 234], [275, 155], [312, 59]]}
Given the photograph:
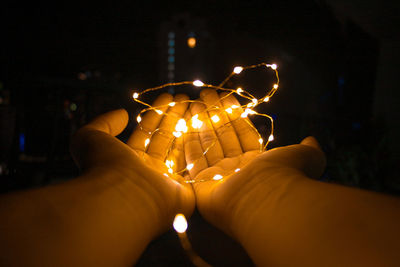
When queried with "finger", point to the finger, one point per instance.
{"points": [[149, 123], [208, 137], [225, 132], [162, 140], [193, 150], [244, 128], [113, 122], [311, 141]]}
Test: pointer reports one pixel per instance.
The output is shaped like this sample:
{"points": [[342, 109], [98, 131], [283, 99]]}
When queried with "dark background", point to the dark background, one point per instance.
{"points": [[62, 64]]}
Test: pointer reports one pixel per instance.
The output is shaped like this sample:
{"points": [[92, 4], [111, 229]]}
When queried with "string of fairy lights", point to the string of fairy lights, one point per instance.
{"points": [[181, 127]]}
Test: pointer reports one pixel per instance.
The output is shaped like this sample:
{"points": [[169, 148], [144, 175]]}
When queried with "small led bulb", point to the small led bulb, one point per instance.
{"points": [[239, 90], [177, 134], [266, 99], [171, 104], [135, 95], [189, 166], [217, 177], [249, 105], [229, 110], [180, 223], [170, 171], [275, 86], [139, 119], [238, 169], [260, 141], [159, 112], [249, 111], [237, 70], [198, 83], [274, 66], [146, 142], [166, 175], [255, 101], [196, 123], [215, 118], [271, 138], [181, 126], [244, 114], [234, 106]]}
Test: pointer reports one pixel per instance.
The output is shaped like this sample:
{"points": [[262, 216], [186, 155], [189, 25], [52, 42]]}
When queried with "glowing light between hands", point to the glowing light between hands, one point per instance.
{"points": [[171, 104], [228, 110], [146, 142], [217, 177], [189, 166], [215, 118], [196, 123], [180, 223], [181, 126], [159, 112], [198, 83]]}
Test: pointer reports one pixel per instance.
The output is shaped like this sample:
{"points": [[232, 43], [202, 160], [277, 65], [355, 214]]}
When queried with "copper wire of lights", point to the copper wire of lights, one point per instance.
{"points": [[181, 127]]}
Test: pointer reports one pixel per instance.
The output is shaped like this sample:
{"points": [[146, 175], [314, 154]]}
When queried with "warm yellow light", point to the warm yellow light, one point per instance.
{"points": [[249, 105], [198, 83], [234, 106], [166, 175], [170, 171], [249, 111], [196, 123], [189, 166], [271, 138], [169, 163], [159, 112], [260, 140], [244, 114], [177, 134], [237, 69], [180, 223], [135, 95], [239, 90], [217, 177], [171, 104], [215, 118], [275, 86], [146, 142], [181, 126], [229, 110], [139, 119], [238, 169], [255, 101], [266, 99], [191, 42], [274, 66]]}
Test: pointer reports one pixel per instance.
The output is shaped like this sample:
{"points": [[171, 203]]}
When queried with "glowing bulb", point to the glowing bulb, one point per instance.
{"points": [[244, 114], [255, 101], [229, 110], [198, 83], [266, 99], [169, 163], [196, 123], [189, 166], [275, 86], [146, 142], [215, 118], [271, 138], [139, 119], [260, 141], [166, 175], [135, 95], [234, 106], [249, 105], [217, 177], [171, 104], [170, 171], [177, 134], [191, 42], [180, 223], [238, 169], [159, 112], [237, 69], [249, 111], [274, 66], [239, 90], [181, 126]]}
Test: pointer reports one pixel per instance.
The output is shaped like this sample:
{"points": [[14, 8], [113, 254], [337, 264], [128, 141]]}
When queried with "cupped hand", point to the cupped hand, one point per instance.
{"points": [[235, 155], [96, 150]]}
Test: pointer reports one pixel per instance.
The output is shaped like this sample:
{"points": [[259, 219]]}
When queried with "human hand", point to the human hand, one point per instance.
{"points": [[97, 151], [237, 147]]}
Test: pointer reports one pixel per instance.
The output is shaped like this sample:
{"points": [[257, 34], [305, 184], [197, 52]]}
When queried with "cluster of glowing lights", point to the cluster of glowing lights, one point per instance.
{"points": [[181, 127]]}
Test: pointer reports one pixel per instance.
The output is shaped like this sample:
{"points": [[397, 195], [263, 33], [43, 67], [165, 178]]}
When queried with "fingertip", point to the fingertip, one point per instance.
{"points": [[113, 122], [311, 141]]}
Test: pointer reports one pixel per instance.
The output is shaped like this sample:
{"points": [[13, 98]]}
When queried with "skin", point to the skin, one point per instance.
{"points": [[108, 215], [122, 200], [274, 208]]}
